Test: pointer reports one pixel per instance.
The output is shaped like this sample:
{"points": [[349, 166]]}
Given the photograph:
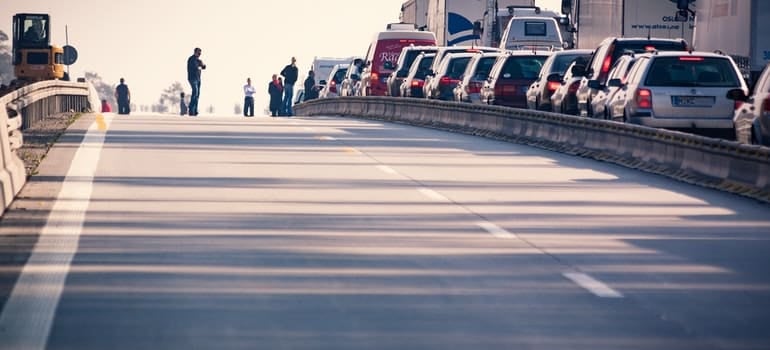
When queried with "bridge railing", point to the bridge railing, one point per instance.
{"points": [[726, 165], [22, 109]]}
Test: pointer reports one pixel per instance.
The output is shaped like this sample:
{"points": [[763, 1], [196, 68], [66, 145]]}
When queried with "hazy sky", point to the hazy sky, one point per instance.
{"points": [[148, 41]]}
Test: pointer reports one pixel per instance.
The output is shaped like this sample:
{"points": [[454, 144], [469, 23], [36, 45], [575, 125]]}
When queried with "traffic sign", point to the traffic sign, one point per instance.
{"points": [[70, 55]]}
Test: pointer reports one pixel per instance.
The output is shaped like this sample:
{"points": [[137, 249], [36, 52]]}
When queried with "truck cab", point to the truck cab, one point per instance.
{"points": [[33, 56]]}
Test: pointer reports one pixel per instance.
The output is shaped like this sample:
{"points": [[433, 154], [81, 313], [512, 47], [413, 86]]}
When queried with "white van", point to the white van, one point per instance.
{"points": [[532, 33]]}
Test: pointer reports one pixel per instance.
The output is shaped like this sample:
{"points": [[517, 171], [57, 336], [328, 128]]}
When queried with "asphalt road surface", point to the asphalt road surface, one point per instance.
{"points": [[162, 232]]}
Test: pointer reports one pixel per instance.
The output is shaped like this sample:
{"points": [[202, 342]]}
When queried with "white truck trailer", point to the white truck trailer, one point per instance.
{"points": [[595, 20], [453, 20], [736, 27]]}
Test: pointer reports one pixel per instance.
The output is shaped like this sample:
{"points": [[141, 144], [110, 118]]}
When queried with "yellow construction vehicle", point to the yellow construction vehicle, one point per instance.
{"points": [[34, 58]]}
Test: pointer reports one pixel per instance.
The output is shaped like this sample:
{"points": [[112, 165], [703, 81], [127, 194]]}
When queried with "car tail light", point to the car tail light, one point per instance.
{"points": [[737, 104], [607, 64], [691, 59], [333, 87], [573, 88], [473, 88], [553, 86], [417, 83], [643, 98], [766, 106], [504, 89], [375, 77], [447, 81]]}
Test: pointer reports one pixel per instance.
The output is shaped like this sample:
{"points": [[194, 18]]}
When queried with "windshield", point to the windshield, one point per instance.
{"points": [[692, 71]]}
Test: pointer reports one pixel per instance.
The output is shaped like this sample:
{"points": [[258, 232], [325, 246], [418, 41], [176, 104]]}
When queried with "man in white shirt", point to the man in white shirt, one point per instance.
{"points": [[248, 101]]}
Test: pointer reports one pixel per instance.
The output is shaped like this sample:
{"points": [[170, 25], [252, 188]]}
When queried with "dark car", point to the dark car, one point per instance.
{"points": [[477, 72], [405, 60], [549, 80], [448, 75], [444, 50], [511, 77], [604, 57], [415, 79]]}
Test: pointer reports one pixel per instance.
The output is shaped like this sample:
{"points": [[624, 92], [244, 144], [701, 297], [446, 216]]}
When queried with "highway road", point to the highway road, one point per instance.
{"points": [[164, 232]]}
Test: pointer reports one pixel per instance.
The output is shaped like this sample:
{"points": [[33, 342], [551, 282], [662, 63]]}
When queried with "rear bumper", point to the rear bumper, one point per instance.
{"points": [[683, 123]]}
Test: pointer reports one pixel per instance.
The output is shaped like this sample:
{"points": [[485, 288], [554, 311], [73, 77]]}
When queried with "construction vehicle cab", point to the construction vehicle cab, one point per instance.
{"points": [[34, 58]]}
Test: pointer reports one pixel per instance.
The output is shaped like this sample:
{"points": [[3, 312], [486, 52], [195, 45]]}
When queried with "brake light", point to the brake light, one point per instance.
{"points": [[766, 106], [607, 64], [573, 88], [691, 59], [333, 87], [504, 89], [737, 104], [473, 88], [553, 86], [644, 98], [375, 77], [447, 81], [649, 48], [417, 83]]}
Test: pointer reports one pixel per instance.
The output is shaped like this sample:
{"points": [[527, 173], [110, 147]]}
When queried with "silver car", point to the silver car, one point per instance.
{"points": [[605, 93], [752, 117], [679, 90], [475, 75]]}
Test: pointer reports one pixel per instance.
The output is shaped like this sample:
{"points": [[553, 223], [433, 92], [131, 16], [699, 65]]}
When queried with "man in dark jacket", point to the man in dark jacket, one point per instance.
{"points": [[289, 73], [123, 95], [194, 67], [311, 92]]}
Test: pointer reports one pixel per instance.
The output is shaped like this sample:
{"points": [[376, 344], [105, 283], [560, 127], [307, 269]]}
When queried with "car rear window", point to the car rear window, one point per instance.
{"points": [[522, 67], [622, 47], [561, 62], [411, 55], [340, 75], [692, 71], [483, 67], [422, 69], [457, 67]]}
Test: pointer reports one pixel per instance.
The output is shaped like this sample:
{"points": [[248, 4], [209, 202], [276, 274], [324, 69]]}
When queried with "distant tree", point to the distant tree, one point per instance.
{"points": [[106, 91], [6, 67], [171, 95], [238, 110]]}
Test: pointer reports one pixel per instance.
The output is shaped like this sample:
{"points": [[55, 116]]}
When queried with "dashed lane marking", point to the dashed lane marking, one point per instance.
{"points": [[593, 285]]}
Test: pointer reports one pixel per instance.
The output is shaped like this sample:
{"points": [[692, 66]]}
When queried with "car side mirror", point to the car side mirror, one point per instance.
{"points": [[554, 78], [578, 70], [402, 74], [737, 95], [595, 84], [612, 83]]}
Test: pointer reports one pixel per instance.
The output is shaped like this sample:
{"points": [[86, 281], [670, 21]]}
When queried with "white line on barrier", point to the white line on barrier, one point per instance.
{"points": [[433, 194], [28, 314], [495, 230], [593, 285], [387, 169]]}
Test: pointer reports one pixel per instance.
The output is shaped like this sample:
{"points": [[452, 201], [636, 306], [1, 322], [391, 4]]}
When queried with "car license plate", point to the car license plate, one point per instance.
{"points": [[692, 101]]}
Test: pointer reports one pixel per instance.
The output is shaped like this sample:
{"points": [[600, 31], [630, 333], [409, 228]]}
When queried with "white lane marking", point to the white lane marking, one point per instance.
{"points": [[28, 315], [308, 129], [326, 138], [495, 230], [387, 169], [433, 194], [593, 285]]}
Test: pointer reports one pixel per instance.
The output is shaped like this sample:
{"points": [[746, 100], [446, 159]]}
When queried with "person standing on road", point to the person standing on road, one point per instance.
{"points": [[289, 73], [248, 100], [123, 95], [275, 89], [194, 67], [311, 92]]}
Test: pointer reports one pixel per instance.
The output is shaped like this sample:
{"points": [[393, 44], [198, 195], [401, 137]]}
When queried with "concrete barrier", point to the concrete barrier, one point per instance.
{"points": [[714, 163], [24, 107]]}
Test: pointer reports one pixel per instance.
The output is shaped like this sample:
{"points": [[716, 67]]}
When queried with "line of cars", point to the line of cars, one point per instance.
{"points": [[647, 81]]}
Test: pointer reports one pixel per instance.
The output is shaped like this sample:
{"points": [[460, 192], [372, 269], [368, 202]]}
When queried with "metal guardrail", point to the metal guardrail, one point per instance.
{"points": [[22, 109], [714, 163]]}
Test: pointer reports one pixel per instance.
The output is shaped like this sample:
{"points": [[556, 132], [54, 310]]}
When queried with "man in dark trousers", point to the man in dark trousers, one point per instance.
{"points": [[194, 67], [311, 92], [248, 100], [289, 73], [123, 95]]}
